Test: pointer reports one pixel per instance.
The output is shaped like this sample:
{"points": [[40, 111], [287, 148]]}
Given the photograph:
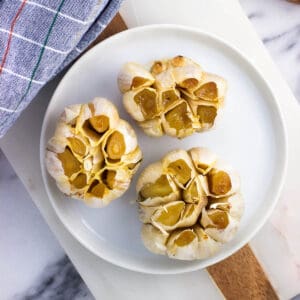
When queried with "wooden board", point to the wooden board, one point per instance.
{"points": [[239, 277]]}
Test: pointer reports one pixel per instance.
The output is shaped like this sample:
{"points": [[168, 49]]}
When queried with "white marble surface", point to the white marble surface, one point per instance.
{"points": [[27, 244], [34, 264]]}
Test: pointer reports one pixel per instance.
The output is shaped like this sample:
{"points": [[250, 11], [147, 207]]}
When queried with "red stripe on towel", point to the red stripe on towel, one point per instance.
{"points": [[13, 23]]}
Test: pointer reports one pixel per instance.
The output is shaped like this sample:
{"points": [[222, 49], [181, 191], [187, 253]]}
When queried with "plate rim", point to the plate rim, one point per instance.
{"points": [[283, 154]]}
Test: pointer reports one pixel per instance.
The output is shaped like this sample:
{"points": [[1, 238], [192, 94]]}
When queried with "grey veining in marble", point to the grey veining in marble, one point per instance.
{"points": [[59, 281], [277, 22], [34, 264]]}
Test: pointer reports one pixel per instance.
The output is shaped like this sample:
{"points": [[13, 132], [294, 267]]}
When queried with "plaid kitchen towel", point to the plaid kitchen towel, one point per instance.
{"points": [[38, 38]]}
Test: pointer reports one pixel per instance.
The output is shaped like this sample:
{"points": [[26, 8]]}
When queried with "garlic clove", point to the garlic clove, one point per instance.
{"points": [[96, 119], [104, 108], [168, 216], [179, 121], [168, 98], [176, 214], [205, 112], [107, 186], [195, 193], [133, 76], [213, 88], [178, 164], [188, 96], [118, 143], [99, 196], [142, 104], [129, 136], [182, 244], [222, 180], [219, 225], [206, 115], [78, 146], [116, 179], [191, 214], [84, 128], [154, 187], [64, 167]]}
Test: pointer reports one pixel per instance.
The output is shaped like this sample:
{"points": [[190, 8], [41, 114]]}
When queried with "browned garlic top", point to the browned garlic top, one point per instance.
{"points": [[176, 97], [93, 153], [190, 204]]}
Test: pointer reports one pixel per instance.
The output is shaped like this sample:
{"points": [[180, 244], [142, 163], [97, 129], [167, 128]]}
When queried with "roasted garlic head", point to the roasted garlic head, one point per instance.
{"points": [[175, 97], [93, 153], [190, 204]]}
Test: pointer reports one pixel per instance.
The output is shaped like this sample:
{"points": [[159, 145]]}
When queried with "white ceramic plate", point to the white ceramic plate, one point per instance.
{"points": [[250, 135]]}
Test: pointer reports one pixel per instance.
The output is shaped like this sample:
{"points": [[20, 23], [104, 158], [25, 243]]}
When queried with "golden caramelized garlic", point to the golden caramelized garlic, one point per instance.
{"points": [[175, 97], [189, 203], [93, 153]]}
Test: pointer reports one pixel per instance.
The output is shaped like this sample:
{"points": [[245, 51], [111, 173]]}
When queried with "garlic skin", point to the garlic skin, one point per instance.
{"points": [[154, 240], [207, 246], [178, 98], [93, 153], [233, 204], [159, 66], [203, 159], [190, 203], [153, 127], [59, 140], [165, 80], [104, 107], [70, 114], [133, 76], [132, 107], [56, 170], [231, 209], [186, 72], [146, 213], [105, 200]]}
